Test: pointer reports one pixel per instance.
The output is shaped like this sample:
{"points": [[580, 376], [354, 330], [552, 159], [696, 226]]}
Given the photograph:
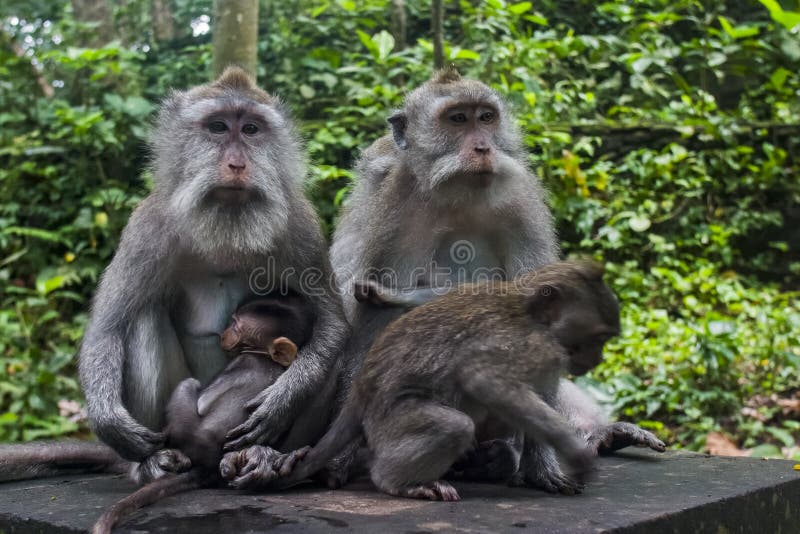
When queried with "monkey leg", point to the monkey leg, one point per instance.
{"points": [[495, 460], [344, 466], [415, 445], [539, 469], [619, 435]]}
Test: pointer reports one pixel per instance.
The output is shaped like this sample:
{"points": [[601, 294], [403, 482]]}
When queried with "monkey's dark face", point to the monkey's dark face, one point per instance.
{"points": [[249, 332], [584, 321]]}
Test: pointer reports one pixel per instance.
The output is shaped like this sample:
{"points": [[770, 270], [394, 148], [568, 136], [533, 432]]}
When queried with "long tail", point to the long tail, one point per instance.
{"points": [[54, 458], [147, 495], [344, 429]]}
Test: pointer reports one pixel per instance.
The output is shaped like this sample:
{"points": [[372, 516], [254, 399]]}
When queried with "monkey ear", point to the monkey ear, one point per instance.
{"points": [[284, 351], [545, 303], [398, 122]]}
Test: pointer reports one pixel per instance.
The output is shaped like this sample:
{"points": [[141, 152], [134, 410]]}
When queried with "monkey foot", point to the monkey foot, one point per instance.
{"points": [[438, 490], [256, 466], [549, 480], [159, 464], [620, 435], [289, 460]]}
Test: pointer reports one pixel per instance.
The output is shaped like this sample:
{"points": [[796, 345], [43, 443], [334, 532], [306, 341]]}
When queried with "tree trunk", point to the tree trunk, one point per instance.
{"points": [[399, 23], [235, 35], [437, 18], [96, 12], [163, 25]]}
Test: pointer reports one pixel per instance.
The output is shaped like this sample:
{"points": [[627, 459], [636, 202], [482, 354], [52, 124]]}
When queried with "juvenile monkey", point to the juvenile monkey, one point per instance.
{"points": [[197, 424], [486, 351], [226, 221], [448, 197]]}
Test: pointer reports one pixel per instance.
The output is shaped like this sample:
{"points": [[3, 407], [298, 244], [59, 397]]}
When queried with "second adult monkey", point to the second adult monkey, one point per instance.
{"points": [[227, 219], [447, 197]]}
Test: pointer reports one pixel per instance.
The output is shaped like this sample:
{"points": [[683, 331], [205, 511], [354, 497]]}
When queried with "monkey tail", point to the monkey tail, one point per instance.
{"points": [[147, 495], [55, 458], [345, 428]]}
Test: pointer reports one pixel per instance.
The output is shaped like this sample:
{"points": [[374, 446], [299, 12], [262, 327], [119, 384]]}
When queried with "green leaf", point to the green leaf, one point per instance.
{"points": [[778, 77], [789, 19], [47, 285], [766, 451], [384, 42], [520, 8], [739, 32], [467, 54], [782, 435], [639, 223]]}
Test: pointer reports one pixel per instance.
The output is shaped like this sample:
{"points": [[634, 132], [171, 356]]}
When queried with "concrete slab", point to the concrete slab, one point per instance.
{"points": [[636, 491]]}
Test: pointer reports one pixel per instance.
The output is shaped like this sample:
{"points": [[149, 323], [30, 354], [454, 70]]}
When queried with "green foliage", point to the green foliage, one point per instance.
{"points": [[665, 131]]}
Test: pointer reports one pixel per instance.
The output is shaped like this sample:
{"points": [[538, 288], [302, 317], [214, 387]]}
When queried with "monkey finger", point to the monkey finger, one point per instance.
{"points": [[250, 438], [291, 459], [255, 478], [258, 401]]}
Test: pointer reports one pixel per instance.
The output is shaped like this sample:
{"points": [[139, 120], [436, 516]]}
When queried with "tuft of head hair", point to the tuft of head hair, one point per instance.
{"points": [[234, 80], [446, 75], [569, 274]]}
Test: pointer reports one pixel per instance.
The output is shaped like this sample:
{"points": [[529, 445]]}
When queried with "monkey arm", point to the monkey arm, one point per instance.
{"points": [[123, 310], [277, 406], [519, 406], [533, 240]]}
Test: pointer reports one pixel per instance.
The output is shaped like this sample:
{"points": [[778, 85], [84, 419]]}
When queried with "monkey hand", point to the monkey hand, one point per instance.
{"points": [[266, 425], [158, 464], [256, 467], [117, 429], [619, 435]]}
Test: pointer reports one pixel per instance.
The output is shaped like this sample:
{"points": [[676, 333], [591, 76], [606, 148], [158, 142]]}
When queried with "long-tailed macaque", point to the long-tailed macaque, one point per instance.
{"points": [[226, 221], [447, 197], [490, 352]]}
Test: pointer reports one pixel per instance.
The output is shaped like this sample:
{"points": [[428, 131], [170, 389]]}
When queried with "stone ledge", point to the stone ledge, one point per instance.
{"points": [[636, 491]]}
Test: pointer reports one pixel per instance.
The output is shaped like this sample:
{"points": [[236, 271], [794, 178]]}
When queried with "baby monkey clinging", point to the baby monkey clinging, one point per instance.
{"points": [[486, 351]]}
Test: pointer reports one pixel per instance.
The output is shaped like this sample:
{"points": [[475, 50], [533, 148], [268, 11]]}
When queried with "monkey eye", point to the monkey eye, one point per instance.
{"points": [[486, 117], [249, 129], [217, 127], [458, 118]]}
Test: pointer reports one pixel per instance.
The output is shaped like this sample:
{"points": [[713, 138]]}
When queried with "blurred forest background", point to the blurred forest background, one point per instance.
{"points": [[667, 132]]}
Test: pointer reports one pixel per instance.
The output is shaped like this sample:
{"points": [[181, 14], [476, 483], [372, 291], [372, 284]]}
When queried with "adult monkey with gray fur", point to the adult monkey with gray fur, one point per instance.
{"points": [[451, 178], [227, 204]]}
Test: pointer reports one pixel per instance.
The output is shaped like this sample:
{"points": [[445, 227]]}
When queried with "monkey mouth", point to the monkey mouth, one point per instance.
{"points": [[232, 194]]}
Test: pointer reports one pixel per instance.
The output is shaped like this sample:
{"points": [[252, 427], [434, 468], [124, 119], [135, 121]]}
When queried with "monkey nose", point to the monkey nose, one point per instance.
{"points": [[483, 149], [237, 168]]}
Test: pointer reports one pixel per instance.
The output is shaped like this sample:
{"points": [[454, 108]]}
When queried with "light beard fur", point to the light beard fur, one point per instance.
{"points": [[233, 235], [442, 185]]}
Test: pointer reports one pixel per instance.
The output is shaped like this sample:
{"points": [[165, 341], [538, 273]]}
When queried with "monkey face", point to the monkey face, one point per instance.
{"points": [[231, 336]]}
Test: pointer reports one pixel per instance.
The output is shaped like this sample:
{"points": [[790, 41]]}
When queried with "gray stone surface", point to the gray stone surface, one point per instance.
{"points": [[635, 491]]}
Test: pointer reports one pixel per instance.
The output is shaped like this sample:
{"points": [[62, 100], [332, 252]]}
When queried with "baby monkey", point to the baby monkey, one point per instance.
{"points": [[484, 351], [262, 336]]}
